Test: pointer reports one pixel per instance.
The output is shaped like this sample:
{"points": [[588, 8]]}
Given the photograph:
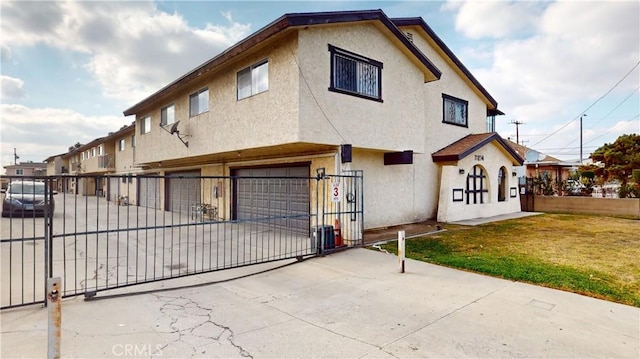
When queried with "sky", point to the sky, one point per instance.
{"points": [[70, 68]]}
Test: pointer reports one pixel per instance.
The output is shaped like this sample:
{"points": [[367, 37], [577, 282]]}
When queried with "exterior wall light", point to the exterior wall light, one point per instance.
{"points": [[461, 171]]}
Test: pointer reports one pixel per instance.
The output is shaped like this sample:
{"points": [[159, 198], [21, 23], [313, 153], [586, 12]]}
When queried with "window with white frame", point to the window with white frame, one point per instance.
{"points": [[168, 115], [355, 75], [145, 125], [100, 150], [253, 80], [199, 102], [454, 110], [83, 155], [93, 152], [19, 171], [133, 141], [121, 145]]}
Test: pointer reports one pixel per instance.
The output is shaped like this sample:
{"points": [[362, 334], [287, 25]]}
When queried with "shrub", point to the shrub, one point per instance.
{"points": [[629, 190]]}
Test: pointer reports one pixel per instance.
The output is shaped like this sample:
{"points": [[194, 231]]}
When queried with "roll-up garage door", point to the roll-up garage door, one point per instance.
{"points": [[113, 190], [148, 192], [184, 191], [273, 195]]}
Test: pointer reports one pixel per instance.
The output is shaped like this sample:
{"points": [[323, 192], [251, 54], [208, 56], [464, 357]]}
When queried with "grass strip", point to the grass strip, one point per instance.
{"points": [[519, 267]]}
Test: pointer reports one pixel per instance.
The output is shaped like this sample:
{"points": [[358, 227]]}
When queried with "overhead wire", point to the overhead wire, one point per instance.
{"points": [[607, 115], [590, 106]]}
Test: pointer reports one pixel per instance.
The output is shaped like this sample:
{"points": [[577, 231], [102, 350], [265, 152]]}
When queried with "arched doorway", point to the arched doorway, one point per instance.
{"points": [[502, 184]]}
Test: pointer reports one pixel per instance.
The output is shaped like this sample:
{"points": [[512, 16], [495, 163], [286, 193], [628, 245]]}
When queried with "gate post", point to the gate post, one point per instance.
{"points": [[54, 311]]}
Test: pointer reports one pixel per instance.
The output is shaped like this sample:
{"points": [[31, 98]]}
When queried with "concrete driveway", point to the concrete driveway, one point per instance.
{"points": [[352, 304]]}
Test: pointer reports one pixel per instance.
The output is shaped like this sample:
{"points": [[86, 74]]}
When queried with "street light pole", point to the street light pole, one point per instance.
{"points": [[583, 115]]}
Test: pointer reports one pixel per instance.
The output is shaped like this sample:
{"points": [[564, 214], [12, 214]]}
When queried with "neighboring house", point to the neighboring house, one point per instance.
{"points": [[342, 91], [539, 164], [26, 169]]}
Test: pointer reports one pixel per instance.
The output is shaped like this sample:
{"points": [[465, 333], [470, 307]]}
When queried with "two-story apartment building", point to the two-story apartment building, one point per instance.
{"points": [[341, 91], [87, 169]]}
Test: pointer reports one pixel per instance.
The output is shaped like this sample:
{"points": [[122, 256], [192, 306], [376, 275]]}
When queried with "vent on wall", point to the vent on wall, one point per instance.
{"points": [[409, 36]]}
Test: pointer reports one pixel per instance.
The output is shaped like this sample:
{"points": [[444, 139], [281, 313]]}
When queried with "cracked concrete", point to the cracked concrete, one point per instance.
{"points": [[195, 327], [351, 304]]}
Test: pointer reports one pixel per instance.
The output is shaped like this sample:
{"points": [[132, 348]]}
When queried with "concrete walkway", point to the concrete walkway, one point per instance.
{"points": [[352, 304]]}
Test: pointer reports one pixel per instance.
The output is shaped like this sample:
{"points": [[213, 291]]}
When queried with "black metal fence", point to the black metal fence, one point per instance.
{"points": [[104, 232]]}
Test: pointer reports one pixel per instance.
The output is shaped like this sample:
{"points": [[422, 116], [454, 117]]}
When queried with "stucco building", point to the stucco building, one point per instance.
{"points": [[341, 91]]}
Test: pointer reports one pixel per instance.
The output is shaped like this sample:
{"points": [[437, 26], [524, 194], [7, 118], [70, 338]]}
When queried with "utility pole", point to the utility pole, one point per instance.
{"points": [[517, 123], [15, 156], [583, 115]]}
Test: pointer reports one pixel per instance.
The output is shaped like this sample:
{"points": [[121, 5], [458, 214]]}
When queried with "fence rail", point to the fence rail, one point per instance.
{"points": [[106, 232]]}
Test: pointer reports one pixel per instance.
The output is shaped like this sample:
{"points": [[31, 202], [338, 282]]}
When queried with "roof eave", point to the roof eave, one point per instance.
{"points": [[418, 21], [279, 25]]}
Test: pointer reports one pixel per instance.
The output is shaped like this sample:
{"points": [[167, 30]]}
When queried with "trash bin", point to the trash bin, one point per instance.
{"points": [[325, 233]]}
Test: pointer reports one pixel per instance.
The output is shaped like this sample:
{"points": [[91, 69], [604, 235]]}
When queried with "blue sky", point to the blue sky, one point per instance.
{"points": [[70, 68]]}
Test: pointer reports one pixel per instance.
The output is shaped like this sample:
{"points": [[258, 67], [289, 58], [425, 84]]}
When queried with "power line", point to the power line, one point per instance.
{"points": [[607, 115], [590, 106], [611, 129]]}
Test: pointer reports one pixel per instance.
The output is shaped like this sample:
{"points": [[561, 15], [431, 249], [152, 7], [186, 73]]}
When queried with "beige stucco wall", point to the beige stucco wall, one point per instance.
{"points": [[395, 124], [266, 119], [394, 194], [494, 159], [124, 160]]}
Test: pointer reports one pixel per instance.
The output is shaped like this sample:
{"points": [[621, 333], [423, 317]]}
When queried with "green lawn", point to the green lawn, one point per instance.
{"points": [[592, 255]]}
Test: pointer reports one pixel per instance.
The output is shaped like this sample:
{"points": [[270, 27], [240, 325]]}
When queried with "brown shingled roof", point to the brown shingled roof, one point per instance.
{"points": [[469, 144]]}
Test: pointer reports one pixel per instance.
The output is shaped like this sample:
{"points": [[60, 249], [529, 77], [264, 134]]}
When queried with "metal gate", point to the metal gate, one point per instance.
{"points": [[95, 244], [527, 195]]}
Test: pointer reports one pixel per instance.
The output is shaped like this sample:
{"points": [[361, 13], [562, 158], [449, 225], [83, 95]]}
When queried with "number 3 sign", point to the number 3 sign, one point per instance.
{"points": [[336, 191]]}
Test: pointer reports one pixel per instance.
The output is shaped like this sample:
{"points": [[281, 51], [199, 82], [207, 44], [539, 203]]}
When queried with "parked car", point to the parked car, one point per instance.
{"points": [[25, 198]]}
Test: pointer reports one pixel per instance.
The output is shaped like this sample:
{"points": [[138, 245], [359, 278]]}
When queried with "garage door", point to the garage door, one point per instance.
{"points": [[184, 191], [113, 190], [148, 192], [276, 198]]}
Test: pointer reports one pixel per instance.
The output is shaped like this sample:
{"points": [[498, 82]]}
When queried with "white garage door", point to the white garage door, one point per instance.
{"points": [[273, 196], [148, 192], [113, 190], [184, 191]]}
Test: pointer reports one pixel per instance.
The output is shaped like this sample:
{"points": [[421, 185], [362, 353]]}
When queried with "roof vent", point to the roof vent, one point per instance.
{"points": [[409, 36]]}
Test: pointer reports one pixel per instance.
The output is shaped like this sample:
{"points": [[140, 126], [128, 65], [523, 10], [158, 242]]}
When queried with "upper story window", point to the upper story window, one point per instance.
{"points": [[100, 150], [199, 102], [133, 141], [145, 125], [168, 115], [355, 75], [253, 80], [19, 171], [93, 152], [83, 155], [454, 110], [121, 145]]}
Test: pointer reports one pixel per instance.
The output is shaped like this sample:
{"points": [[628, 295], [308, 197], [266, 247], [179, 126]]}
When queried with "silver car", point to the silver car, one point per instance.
{"points": [[25, 197]]}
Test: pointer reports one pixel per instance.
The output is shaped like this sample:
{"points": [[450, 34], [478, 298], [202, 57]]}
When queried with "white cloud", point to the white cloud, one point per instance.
{"points": [[477, 19], [574, 54], [38, 133], [11, 88], [134, 48]]}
